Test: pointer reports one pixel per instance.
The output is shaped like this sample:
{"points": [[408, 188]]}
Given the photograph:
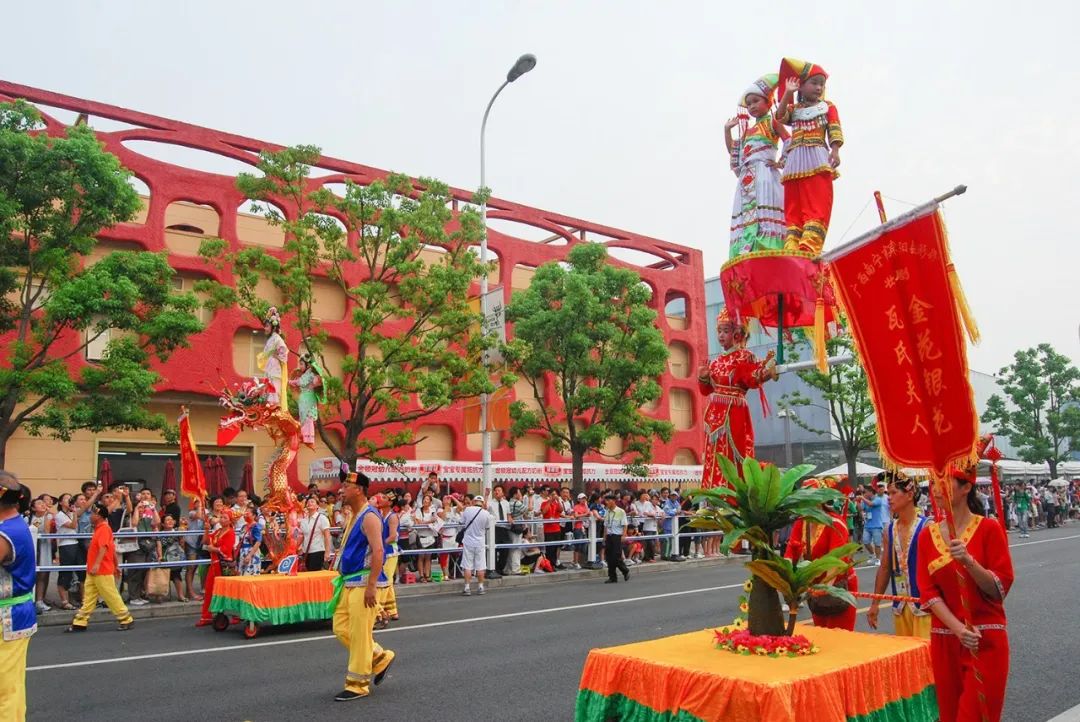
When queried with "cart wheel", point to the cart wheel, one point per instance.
{"points": [[221, 622], [251, 630]]}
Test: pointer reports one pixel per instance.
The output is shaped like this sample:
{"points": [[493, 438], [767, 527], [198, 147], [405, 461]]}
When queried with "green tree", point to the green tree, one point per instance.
{"points": [[419, 340], [846, 396], [56, 194], [589, 325], [1039, 413]]}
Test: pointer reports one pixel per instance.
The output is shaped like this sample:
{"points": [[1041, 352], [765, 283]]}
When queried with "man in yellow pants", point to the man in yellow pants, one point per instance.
{"points": [[18, 618], [100, 567], [899, 554], [359, 565], [387, 597]]}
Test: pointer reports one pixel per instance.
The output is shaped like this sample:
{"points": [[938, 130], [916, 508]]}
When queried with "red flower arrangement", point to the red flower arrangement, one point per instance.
{"points": [[740, 641]]}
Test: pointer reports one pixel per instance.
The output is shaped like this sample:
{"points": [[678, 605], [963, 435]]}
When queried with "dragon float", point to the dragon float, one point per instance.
{"points": [[254, 405]]}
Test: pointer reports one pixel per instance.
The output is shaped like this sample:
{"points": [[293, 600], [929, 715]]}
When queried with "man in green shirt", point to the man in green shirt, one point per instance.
{"points": [[1022, 502]]}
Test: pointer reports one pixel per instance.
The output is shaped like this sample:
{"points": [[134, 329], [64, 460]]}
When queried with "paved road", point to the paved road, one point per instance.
{"points": [[515, 654]]}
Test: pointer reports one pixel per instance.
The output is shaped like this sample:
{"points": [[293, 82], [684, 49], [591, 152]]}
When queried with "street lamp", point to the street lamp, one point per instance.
{"points": [[523, 65]]}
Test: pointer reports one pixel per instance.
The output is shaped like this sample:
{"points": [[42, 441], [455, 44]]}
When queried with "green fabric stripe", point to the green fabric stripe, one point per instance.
{"points": [[292, 614], [595, 707], [921, 707]]}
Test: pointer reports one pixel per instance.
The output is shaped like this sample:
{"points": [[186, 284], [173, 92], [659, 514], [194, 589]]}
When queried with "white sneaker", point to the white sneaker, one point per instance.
{"points": [[480, 590], [466, 591], [138, 602], [42, 606]]}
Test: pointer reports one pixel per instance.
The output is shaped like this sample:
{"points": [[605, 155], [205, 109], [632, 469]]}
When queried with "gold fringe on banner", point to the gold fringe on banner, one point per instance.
{"points": [[958, 290], [820, 349]]}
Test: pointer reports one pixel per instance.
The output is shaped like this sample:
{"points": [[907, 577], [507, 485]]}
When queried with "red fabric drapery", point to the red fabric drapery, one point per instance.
{"points": [[105, 475], [168, 481]]}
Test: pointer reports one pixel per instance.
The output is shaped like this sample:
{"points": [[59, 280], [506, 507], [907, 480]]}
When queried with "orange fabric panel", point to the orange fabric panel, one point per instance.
{"points": [[268, 591], [853, 674]]}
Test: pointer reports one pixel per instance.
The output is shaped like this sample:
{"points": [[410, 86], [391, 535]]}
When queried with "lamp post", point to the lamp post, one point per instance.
{"points": [[523, 65]]}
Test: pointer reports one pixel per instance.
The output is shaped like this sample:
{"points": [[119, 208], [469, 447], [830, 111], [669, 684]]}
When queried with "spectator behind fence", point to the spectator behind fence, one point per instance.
{"points": [[450, 518], [100, 568], [552, 510], [193, 551], [171, 549], [519, 511], [474, 543], [499, 509], [41, 522], [315, 535], [68, 551], [424, 519], [580, 512]]}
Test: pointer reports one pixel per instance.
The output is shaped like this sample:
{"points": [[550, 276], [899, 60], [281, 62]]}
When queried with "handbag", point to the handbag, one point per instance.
{"points": [[126, 545], [460, 536], [157, 582]]}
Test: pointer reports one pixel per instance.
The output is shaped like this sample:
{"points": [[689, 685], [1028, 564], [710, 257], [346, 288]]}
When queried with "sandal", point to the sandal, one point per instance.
{"points": [[183, 600], [68, 606]]}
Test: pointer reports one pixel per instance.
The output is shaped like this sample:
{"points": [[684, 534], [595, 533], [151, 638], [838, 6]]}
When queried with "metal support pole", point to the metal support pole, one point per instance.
{"points": [[592, 557]]}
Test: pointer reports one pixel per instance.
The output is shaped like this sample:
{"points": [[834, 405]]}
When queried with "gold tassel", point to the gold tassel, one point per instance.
{"points": [[962, 304], [819, 336]]}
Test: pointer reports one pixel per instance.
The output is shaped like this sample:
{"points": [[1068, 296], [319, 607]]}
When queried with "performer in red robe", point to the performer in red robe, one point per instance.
{"points": [[728, 428], [221, 545], [812, 540], [960, 579]]}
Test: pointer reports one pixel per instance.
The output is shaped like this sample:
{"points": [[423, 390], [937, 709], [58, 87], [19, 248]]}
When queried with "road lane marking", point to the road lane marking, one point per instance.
{"points": [[1045, 541], [1069, 715], [428, 625]]}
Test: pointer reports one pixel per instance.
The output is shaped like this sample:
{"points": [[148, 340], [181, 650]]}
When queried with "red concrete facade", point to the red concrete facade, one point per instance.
{"points": [[675, 272]]}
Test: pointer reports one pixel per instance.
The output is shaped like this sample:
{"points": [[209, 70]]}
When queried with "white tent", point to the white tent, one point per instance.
{"points": [[861, 469]]}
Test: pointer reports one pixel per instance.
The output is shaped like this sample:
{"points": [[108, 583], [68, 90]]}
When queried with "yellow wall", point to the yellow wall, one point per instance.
{"points": [[48, 465]]}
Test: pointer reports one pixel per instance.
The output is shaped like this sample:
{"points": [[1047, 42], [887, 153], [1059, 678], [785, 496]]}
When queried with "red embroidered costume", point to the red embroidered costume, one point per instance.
{"points": [[728, 428], [822, 540], [225, 540], [807, 159], [939, 583]]}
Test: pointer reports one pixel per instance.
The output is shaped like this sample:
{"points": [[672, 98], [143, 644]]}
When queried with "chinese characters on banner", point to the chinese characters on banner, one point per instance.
{"points": [[904, 319]]}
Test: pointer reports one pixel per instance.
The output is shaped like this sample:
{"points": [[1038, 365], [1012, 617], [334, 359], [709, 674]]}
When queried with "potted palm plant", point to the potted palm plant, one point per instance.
{"points": [[753, 507]]}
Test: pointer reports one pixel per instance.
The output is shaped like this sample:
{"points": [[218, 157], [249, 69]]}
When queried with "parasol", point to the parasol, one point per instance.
{"points": [[105, 477], [168, 483], [247, 482]]}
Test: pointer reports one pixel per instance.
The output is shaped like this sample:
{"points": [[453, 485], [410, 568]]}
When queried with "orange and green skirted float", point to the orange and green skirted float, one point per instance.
{"points": [[272, 599], [854, 677]]}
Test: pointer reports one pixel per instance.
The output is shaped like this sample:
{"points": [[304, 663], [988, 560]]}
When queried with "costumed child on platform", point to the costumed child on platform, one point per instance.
{"points": [[757, 216], [966, 579], [899, 558], [728, 428], [810, 156], [810, 540], [273, 359], [311, 385]]}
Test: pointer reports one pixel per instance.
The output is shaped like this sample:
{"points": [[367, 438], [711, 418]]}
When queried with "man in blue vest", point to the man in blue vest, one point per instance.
{"points": [[359, 565], [899, 557], [18, 618]]}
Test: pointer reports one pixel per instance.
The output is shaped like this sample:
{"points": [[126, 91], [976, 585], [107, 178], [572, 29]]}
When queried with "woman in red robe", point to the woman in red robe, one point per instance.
{"points": [[814, 540], [221, 545], [975, 570], [728, 429]]}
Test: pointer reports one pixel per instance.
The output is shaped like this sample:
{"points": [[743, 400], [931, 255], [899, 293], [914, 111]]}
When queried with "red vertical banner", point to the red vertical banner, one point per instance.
{"points": [[192, 479], [902, 303]]}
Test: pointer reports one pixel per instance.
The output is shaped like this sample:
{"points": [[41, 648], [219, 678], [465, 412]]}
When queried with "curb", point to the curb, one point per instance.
{"points": [[58, 618]]}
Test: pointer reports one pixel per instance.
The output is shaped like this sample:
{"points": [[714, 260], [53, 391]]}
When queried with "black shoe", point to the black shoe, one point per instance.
{"points": [[73, 628], [611, 581], [494, 575], [347, 695], [123, 627], [626, 575], [378, 678]]}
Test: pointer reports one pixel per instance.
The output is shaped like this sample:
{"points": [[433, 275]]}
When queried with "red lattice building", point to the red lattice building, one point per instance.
{"points": [[185, 204]]}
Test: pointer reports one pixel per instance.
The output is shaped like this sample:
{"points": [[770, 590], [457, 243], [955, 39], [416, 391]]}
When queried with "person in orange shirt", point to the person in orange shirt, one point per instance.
{"points": [[100, 566]]}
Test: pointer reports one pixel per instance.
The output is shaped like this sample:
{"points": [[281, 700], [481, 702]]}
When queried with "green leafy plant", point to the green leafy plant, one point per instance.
{"points": [[753, 507]]}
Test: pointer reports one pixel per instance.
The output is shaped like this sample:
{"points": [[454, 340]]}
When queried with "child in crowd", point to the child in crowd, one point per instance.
{"points": [[171, 549]]}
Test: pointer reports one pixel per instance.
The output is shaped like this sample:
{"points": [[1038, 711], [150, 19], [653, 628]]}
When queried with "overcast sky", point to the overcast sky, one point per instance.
{"points": [[621, 122]]}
